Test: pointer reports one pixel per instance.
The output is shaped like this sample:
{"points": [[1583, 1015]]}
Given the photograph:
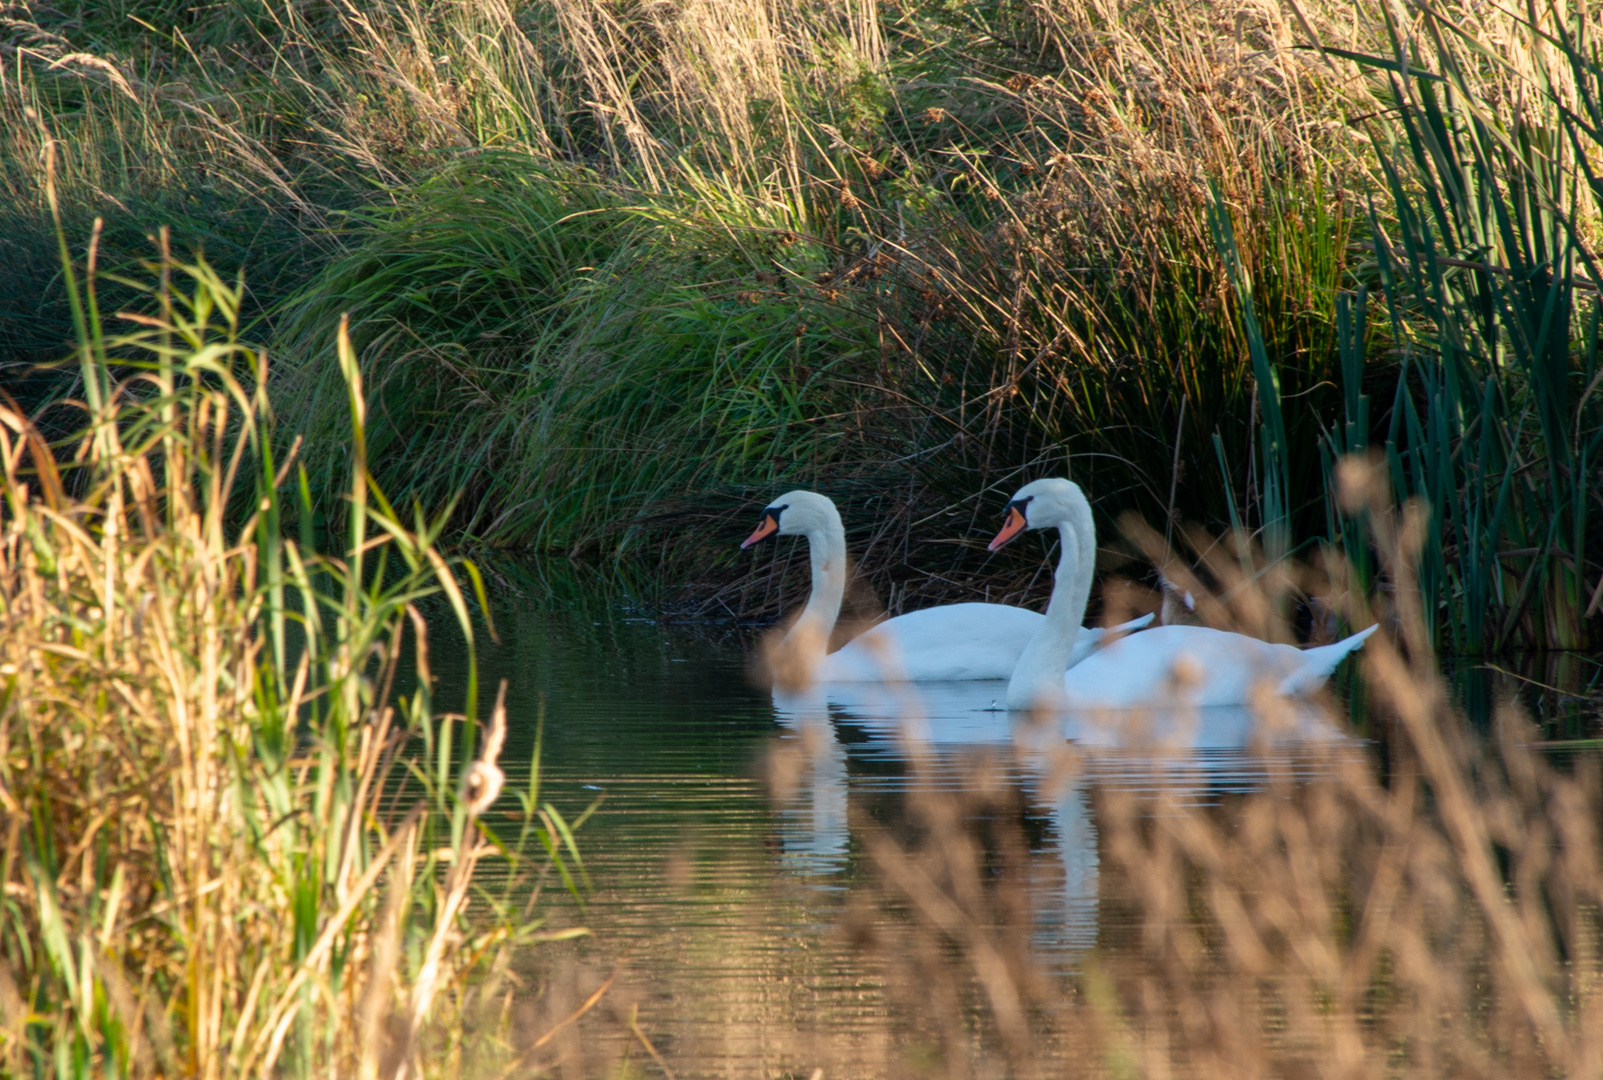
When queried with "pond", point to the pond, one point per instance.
{"points": [[735, 924]]}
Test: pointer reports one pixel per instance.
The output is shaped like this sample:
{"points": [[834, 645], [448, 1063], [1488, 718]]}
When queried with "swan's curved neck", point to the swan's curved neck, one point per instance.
{"points": [[826, 546], [1038, 676]]}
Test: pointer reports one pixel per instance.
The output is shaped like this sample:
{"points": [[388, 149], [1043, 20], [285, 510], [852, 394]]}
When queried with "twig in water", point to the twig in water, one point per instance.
{"points": [[634, 1027]]}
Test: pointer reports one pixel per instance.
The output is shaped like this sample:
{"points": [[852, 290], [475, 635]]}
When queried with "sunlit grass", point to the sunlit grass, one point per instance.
{"points": [[230, 848], [612, 270]]}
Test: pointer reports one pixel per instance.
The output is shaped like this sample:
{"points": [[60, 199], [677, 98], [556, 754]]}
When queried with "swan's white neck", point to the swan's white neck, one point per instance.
{"points": [[826, 545], [1038, 676]]}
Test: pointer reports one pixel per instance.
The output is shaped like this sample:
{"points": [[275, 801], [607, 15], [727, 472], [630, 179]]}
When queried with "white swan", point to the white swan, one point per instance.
{"points": [[1222, 668], [954, 641]]}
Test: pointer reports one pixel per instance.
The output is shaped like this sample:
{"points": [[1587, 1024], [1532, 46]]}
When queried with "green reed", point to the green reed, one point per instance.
{"points": [[1490, 292]]}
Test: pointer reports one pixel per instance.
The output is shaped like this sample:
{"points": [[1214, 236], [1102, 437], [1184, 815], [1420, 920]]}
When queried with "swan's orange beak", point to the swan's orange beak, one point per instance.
{"points": [[1011, 527], [769, 526]]}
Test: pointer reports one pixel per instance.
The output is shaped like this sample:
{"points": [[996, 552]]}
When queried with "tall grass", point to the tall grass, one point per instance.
{"points": [[1095, 308], [230, 848], [181, 126], [616, 269], [955, 226], [574, 363]]}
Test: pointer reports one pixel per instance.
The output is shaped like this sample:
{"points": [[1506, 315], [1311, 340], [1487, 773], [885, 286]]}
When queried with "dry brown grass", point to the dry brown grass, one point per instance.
{"points": [[1430, 905]]}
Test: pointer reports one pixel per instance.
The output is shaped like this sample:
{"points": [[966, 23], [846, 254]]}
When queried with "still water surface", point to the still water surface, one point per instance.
{"points": [[717, 903]]}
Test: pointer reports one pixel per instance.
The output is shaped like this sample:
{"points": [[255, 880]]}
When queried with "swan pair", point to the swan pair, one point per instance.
{"points": [[1050, 660], [948, 643]]}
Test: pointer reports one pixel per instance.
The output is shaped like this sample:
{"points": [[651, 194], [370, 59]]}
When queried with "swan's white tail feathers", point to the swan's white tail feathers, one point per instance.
{"points": [[1140, 622], [1319, 663]]}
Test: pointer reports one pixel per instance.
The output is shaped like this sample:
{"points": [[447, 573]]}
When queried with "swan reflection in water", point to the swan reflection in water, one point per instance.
{"points": [[1195, 753]]}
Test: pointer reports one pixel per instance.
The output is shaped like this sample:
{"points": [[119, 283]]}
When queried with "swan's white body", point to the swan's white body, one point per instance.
{"points": [[954, 642], [949, 643], [1193, 665], [1225, 668]]}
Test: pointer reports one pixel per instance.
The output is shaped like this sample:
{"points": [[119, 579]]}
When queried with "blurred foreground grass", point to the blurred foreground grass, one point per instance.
{"points": [[1425, 903]]}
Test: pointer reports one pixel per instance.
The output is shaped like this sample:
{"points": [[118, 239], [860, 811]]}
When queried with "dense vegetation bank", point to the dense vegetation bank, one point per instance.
{"points": [[613, 273]]}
